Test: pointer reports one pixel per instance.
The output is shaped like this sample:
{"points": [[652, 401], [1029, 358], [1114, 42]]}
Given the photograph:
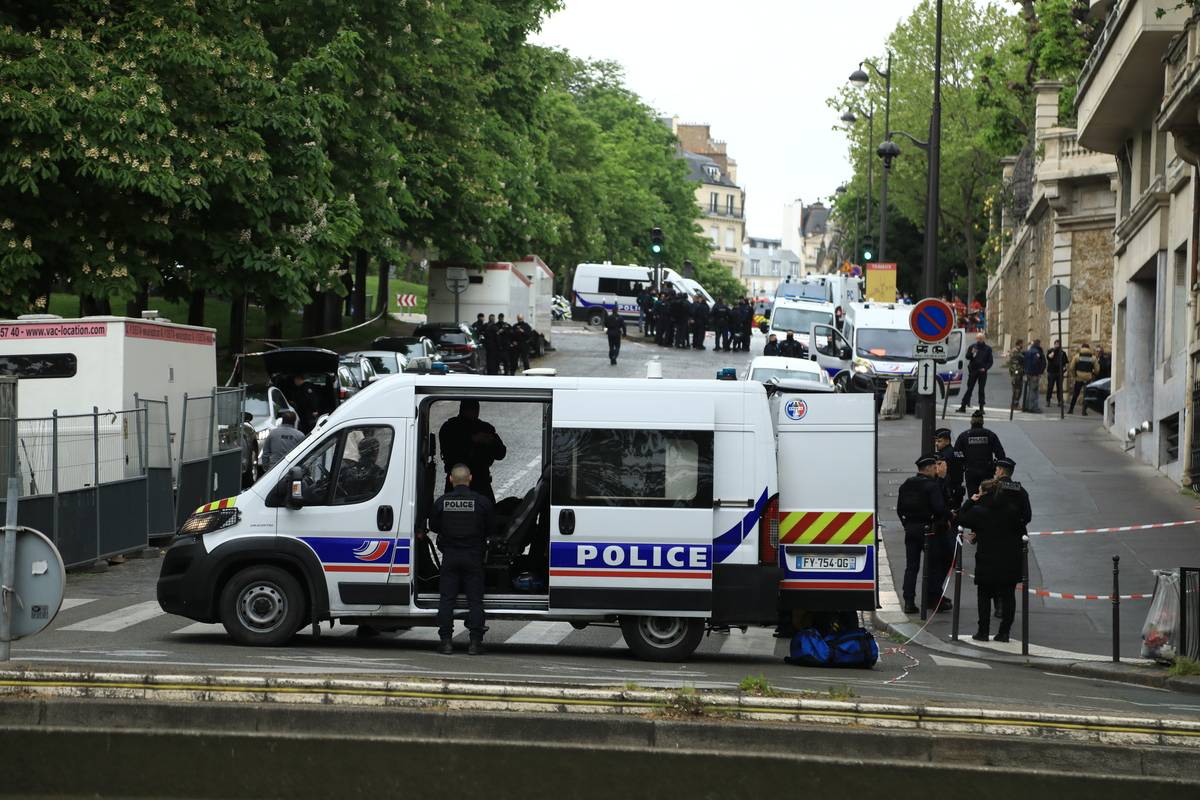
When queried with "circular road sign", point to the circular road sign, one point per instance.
{"points": [[1058, 298], [39, 580], [931, 320]]}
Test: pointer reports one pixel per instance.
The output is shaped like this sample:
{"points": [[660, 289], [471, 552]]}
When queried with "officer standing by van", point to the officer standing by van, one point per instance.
{"points": [[699, 321], [920, 504], [466, 439], [720, 322], [614, 326], [953, 481], [463, 520], [980, 448]]}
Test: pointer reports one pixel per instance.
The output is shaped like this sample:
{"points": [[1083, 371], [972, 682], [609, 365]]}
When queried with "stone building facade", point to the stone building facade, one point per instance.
{"points": [[1056, 222]]}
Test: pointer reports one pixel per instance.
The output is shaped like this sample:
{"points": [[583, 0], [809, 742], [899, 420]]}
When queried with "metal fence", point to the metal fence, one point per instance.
{"points": [[83, 481], [1189, 613], [210, 450], [160, 477]]}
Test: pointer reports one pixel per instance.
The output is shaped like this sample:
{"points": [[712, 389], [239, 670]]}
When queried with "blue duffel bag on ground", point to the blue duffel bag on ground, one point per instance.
{"points": [[851, 648]]}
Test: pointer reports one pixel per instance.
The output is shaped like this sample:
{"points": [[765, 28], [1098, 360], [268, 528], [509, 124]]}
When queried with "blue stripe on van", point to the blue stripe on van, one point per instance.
{"points": [[727, 542]]}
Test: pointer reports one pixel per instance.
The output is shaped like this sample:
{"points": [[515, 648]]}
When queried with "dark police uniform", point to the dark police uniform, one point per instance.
{"points": [[792, 348], [920, 504], [720, 321], [463, 521], [699, 323], [955, 465], [980, 448], [999, 519], [456, 438], [523, 337], [614, 326]]}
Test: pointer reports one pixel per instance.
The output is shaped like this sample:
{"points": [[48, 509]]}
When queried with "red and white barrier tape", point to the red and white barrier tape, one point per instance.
{"points": [[1120, 528], [1076, 595]]}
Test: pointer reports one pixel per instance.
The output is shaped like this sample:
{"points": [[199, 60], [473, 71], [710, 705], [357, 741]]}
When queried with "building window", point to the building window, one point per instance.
{"points": [[775, 267], [729, 205], [712, 202], [754, 266], [1168, 439], [729, 244], [715, 235]]}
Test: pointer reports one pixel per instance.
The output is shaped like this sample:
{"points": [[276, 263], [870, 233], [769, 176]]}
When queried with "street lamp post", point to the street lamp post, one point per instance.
{"points": [[850, 118], [860, 78]]}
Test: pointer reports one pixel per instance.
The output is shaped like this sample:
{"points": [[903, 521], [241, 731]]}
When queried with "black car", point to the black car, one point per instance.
{"points": [[456, 345]]}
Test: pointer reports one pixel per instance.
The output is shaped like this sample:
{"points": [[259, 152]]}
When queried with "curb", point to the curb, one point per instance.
{"points": [[1149, 676], [472, 696]]}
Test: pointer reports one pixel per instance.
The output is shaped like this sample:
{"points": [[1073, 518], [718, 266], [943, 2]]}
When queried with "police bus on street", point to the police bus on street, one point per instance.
{"points": [[667, 507]]}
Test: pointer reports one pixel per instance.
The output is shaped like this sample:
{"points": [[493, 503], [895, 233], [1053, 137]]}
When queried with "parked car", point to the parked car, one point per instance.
{"points": [[265, 404], [456, 346], [796, 372], [418, 351], [385, 362], [1096, 393], [319, 368], [355, 373]]}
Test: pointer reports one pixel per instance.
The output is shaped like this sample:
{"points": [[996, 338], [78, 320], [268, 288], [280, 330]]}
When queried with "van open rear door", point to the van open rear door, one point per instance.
{"points": [[827, 472], [631, 503]]}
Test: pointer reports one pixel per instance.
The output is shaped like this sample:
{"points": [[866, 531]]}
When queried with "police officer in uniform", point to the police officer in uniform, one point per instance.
{"points": [[614, 326], [463, 521], [920, 504], [997, 516], [953, 482], [720, 321], [523, 336], [791, 347], [699, 321], [980, 448], [680, 313], [466, 439]]}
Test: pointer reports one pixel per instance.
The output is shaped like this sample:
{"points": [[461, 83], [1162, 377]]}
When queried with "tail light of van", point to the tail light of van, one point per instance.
{"points": [[343, 393], [768, 533]]}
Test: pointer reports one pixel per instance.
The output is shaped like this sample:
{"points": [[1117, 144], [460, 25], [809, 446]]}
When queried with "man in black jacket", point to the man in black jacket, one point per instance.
{"points": [[682, 312], [614, 326], [772, 346], [699, 321], [1056, 367], [979, 361], [720, 325], [980, 448], [463, 520], [997, 515], [920, 505], [790, 347]]}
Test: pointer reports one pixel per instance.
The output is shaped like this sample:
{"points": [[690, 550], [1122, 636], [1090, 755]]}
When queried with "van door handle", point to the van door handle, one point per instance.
{"points": [[566, 521], [733, 504], [384, 518]]}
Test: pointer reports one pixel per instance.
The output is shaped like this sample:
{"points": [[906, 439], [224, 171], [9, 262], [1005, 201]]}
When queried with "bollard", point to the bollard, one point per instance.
{"points": [[957, 587], [923, 578], [1024, 595], [1116, 603]]}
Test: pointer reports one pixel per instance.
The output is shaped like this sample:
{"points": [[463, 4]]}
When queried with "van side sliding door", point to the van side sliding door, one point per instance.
{"points": [[631, 503]]}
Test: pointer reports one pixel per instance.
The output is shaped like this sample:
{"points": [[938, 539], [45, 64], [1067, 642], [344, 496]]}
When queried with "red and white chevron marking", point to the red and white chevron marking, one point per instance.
{"points": [[1120, 528], [406, 300]]}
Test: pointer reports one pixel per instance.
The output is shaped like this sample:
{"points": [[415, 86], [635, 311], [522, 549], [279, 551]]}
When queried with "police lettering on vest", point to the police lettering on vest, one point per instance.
{"points": [[458, 505]]}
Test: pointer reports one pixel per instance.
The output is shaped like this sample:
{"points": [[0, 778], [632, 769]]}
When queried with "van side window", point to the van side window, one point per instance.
{"points": [[648, 469], [53, 365], [618, 286], [349, 468], [364, 464]]}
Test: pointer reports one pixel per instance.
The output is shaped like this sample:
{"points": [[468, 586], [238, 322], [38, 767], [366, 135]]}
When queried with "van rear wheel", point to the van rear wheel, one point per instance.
{"points": [[262, 606], [662, 638], [595, 318]]}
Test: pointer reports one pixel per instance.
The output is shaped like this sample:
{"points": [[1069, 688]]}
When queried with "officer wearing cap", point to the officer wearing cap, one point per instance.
{"points": [[920, 504], [997, 515], [953, 482], [463, 520], [980, 448]]}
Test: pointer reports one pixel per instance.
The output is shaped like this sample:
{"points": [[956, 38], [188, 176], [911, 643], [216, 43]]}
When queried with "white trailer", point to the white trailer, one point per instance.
{"points": [[71, 366], [523, 287]]}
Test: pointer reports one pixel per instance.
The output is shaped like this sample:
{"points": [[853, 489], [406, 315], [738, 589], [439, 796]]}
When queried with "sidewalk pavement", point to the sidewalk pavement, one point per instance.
{"points": [[1077, 477]]}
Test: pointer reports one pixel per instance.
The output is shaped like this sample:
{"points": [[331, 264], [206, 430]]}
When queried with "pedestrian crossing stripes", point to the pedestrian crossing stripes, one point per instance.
{"points": [[120, 619], [68, 602], [540, 632]]}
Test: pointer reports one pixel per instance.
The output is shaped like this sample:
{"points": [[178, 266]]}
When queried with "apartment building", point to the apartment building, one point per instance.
{"points": [[1136, 92], [767, 264], [722, 203]]}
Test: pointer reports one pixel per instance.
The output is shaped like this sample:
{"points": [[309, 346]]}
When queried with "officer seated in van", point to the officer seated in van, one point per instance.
{"points": [[361, 479]]}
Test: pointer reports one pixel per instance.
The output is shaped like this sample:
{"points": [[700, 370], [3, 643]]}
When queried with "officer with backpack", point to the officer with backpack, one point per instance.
{"points": [[920, 504]]}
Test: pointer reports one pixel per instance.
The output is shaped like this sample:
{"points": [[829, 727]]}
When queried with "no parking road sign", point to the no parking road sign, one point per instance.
{"points": [[931, 320]]}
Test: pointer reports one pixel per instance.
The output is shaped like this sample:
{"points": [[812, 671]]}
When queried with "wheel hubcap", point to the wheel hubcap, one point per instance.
{"points": [[662, 632], [261, 606]]}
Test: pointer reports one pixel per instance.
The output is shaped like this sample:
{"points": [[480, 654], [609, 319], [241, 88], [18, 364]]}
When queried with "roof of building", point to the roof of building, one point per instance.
{"points": [[699, 168], [776, 254], [814, 219]]}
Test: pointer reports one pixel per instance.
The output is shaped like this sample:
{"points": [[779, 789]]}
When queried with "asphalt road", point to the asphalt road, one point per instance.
{"points": [[111, 621]]}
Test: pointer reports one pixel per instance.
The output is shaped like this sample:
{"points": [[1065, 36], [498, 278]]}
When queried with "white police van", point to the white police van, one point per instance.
{"points": [[798, 317], [665, 506], [596, 288], [876, 345]]}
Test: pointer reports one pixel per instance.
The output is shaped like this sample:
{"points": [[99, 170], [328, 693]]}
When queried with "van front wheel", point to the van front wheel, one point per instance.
{"points": [[662, 638], [596, 319], [262, 606]]}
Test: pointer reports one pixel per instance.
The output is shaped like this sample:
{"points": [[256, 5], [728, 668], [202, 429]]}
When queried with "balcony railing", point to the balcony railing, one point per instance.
{"points": [[1111, 23], [726, 212], [1059, 147]]}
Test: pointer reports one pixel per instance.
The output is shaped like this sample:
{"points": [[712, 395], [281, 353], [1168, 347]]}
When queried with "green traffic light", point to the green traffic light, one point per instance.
{"points": [[867, 255], [656, 248]]}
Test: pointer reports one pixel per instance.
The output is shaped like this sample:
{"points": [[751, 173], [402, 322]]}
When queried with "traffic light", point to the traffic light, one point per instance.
{"points": [[868, 251], [656, 242]]}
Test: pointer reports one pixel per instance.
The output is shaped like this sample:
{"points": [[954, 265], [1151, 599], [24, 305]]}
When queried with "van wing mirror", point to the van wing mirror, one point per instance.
{"points": [[294, 487], [844, 353]]}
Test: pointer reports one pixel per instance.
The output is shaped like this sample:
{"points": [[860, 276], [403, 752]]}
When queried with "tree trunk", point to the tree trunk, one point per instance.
{"points": [[361, 261], [381, 302], [91, 306], [275, 322], [237, 323], [312, 321], [972, 257], [333, 311], [139, 302], [196, 307]]}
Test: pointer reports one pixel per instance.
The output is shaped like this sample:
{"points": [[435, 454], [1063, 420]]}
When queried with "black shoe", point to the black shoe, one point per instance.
{"points": [[909, 608], [945, 605], [476, 648], [962, 409], [980, 637], [1002, 636], [446, 647]]}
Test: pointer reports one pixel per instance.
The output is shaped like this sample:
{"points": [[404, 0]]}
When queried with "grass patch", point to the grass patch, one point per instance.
{"points": [[758, 685], [685, 702], [395, 287], [1184, 667], [836, 692], [633, 686]]}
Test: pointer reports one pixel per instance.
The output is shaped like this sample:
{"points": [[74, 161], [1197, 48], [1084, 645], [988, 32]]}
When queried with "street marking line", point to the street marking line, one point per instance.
{"points": [[200, 628], [541, 632], [755, 641], [74, 602], [120, 619], [947, 661]]}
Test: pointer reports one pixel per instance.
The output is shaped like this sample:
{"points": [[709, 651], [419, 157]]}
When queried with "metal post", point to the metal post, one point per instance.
{"points": [[1058, 296], [456, 295], [887, 127], [870, 173], [1116, 608], [957, 587], [1024, 595], [8, 567], [1017, 395], [212, 423], [54, 476], [96, 471], [923, 584], [925, 406], [1183, 615]]}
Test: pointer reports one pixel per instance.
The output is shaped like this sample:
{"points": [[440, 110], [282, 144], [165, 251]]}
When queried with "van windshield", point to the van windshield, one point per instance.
{"points": [[888, 344], [799, 320]]}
